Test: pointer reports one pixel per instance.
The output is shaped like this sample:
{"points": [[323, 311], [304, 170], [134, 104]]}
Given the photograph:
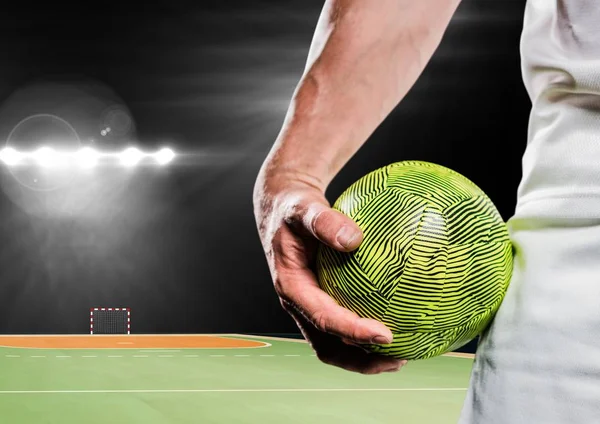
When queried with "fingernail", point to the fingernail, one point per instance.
{"points": [[346, 236], [381, 340]]}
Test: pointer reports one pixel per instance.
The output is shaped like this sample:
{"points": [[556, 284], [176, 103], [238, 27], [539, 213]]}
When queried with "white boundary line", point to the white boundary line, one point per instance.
{"points": [[286, 339], [223, 336], [283, 339], [125, 336], [412, 389], [460, 355]]}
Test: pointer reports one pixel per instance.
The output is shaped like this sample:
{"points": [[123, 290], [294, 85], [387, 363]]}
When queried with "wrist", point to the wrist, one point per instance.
{"points": [[277, 186], [284, 174]]}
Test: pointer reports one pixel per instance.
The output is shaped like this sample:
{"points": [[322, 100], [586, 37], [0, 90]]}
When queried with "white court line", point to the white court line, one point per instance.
{"points": [[404, 389], [13, 356], [140, 356], [279, 339], [228, 336], [159, 351]]}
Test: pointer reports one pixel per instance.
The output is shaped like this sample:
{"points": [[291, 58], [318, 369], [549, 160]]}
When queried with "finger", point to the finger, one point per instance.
{"points": [[339, 353], [336, 230], [304, 293], [355, 359], [351, 343], [329, 226]]}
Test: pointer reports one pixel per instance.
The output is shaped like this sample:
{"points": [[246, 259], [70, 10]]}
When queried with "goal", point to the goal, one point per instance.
{"points": [[110, 321]]}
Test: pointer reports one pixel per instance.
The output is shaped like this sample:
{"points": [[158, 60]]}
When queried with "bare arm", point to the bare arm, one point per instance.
{"points": [[365, 56]]}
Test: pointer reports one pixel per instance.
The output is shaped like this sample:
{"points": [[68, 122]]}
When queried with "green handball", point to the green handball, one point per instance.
{"points": [[435, 262]]}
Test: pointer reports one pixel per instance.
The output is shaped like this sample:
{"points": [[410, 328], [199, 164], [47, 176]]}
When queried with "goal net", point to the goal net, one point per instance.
{"points": [[110, 321]]}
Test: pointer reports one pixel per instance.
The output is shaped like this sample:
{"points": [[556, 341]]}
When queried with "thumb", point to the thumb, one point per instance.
{"points": [[332, 227]]}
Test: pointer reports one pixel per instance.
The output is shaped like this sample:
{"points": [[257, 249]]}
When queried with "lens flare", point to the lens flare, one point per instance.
{"points": [[47, 157], [164, 156], [87, 157], [10, 156], [131, 156]]}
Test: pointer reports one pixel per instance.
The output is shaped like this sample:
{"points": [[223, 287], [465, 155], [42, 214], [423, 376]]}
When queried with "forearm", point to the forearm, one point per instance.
{"points": [[365, 57]]}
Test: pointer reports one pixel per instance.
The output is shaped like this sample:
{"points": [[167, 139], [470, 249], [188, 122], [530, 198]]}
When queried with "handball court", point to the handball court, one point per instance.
{"points": [[162, 379]]}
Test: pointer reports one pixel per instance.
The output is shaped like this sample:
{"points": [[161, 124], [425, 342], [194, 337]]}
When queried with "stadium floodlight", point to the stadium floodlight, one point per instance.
{"points": [[10, 156], [87, 157], [164, 156], [83, 157], [47, 157], [131, 156]]}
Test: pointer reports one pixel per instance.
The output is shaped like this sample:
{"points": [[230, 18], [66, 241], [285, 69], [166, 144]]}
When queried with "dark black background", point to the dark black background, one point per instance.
{"points": [[179, 246]]}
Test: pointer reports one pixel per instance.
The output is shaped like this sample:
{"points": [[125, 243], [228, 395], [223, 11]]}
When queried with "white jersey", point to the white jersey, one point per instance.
{"points": [[560, 50], [539, 362]]}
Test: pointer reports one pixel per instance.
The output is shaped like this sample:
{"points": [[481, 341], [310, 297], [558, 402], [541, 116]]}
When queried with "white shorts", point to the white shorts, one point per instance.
{"points": [[539, 362]]}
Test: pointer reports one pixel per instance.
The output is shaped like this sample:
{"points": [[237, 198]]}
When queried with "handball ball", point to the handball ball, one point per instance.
{"points": [[434, 264]]}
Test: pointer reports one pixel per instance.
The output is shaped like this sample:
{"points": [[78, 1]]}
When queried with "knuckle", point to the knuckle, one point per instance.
{"points": [[283, 290], [320, 321], [285, 280], [293, 207], [315, 220], [368, 369], [324, 358], [356, 336]]}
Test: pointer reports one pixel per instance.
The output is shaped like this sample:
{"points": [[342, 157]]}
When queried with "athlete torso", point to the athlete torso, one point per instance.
{"points": [[561, 69], [539, 362]]}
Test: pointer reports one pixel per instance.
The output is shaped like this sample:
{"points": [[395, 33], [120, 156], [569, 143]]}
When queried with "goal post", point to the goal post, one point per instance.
{"points": [[110, 321]]}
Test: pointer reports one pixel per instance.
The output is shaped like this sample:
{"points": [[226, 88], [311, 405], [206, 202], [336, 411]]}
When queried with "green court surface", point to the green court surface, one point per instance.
{"points": [[280, 383]]}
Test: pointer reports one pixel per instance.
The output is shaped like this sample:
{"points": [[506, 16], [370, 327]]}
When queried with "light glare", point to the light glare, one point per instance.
{"points": [[164, 156], [47, 157], [87, 157], [131, 156], [10, 156], [84, 157]]}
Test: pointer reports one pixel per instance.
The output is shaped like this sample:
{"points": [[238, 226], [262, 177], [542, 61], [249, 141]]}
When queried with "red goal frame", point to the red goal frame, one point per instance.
{"points": [[110, 309]]}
